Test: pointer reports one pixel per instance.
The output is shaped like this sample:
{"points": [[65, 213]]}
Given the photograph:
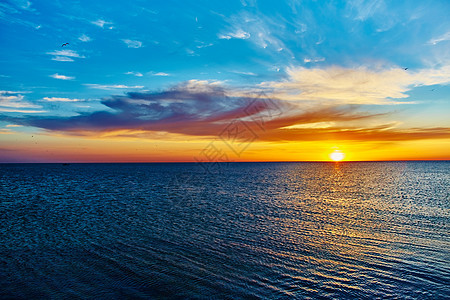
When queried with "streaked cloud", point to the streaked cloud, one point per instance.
{"points": [[137, 74], [132, 43], [21, 110], [103, 24], [442, 38], [6, 131], [58, 99], [62, 58], [262, 30], [159, 74], [238, 34], [84, 38], [62, 77], [245, 73], [68, 53], [313, 60], [14, 99], [112, 86], [65, 55]]}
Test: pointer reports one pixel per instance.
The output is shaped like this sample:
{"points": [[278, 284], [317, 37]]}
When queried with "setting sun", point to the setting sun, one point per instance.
{"points": [[337, 155]]}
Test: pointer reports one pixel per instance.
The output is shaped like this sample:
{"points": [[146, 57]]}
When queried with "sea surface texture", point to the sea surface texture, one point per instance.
{"points": [[237, 230]]}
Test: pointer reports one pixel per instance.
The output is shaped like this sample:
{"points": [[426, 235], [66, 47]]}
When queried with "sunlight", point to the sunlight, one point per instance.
{"points": [[337, 155]]}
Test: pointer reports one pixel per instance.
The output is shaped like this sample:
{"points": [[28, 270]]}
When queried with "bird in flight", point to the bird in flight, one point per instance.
{"points": [[65, 44]]}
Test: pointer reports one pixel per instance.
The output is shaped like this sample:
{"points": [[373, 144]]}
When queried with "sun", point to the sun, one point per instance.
{"points": [[337, 155]]}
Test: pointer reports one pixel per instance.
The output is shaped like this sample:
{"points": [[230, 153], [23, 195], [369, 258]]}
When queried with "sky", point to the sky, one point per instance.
{"points": [[209, 81]]}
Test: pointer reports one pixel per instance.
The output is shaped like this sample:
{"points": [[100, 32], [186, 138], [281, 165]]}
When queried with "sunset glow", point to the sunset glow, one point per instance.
{"points": [[245, 81]]}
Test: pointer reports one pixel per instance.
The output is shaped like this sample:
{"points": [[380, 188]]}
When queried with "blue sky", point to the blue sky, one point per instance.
{"points": [[294, 51]]}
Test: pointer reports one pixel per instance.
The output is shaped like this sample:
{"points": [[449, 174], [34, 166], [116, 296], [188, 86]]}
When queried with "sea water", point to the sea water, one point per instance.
{"points": [[235, 230]]}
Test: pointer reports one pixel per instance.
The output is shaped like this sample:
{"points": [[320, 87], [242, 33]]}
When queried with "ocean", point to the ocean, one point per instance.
{"points": [[225, 231]]}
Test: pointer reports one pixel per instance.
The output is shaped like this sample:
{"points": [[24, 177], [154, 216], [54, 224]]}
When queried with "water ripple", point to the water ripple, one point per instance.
{"points": [[255, 230]]}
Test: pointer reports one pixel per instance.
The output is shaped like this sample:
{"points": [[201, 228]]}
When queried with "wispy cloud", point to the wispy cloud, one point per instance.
{"points": [[21, 110], [103, 24], [132, 43], [62, 58], [65, 55], [84, 38], [112, 86], [11, 12], [313, 60], [14, 99], [69, 53], [11, 101], [261, 30], [159, 74], [364, 9], [6, 131], [442, 38], [238, 34], [58, 99], [62, 77], [245, 73], [138, 74]]}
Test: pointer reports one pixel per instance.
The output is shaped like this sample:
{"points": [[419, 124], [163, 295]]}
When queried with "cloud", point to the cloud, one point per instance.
{"points": [[365, 9], [62, 58], [197, 108], [13, 99], [378, 133], [160, 74], [261, 30], [103, 24], [84, 38], [244, 73], [338, 85], [238, 34], [138, 74], [112, 86], [313, 60], [12, 12], [62, 77], [69, 53], [21, 110], [204, 108], [132, 43], [57, 99], [65, 55], [6, 131], [442, 38]]}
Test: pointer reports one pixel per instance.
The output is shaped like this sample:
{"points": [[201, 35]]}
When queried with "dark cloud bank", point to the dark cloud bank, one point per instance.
{"points": [[206, 109]]}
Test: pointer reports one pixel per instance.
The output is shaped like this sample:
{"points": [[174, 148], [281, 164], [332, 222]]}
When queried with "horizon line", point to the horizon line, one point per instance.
{"points": [[225, 162]]}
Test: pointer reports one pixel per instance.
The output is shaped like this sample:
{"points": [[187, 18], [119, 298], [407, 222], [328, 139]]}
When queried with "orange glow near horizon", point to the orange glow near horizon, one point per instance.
{"points": [[44, 147]]}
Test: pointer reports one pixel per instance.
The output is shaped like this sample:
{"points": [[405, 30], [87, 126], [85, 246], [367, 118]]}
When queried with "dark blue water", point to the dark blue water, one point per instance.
{"points": [[247, 230]]}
